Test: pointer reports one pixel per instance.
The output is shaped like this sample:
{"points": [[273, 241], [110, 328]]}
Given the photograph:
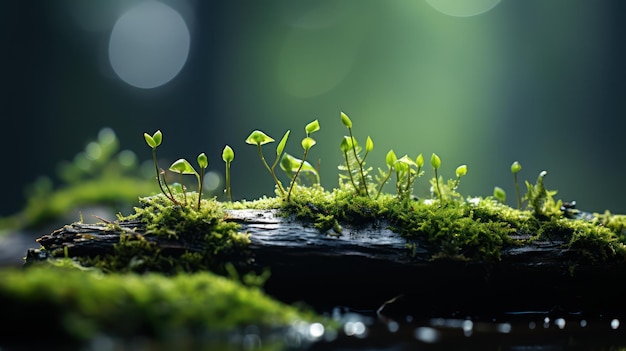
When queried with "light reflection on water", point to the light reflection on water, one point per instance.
{"points": [[368, 331], [517, 330]]}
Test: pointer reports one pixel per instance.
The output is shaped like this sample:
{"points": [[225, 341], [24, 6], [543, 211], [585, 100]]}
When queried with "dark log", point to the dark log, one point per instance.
{"points": [[367, 265]]}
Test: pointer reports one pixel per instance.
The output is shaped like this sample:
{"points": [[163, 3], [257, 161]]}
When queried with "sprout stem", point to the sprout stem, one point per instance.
{"points": [[295, 176], [271, 170], [360, 162]]}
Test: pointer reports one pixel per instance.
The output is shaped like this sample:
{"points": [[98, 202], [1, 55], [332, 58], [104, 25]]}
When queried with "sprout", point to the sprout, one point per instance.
{"points": [[203, 162], [312, 127], [153, 142], [346, 120], [419, 160], [460, 171], [435, 161], [515, 168], [307, 143], [499, 194], [369, 144], [259, 138], [290, 164], [345, 146], [228, 155], [183, 166], [390, 160]]}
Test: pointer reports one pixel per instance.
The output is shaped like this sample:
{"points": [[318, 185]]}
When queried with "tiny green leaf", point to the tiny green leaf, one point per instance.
{"points": [[419, 161], [281, 144], [182, 166], [312, 127], [461, 170], [407, 161], [257, 137], [346, 120], [435, 161], [228, 155], [346, 143], [516, 167], [203, 161], [391, 158], [499, 194], [307, 143], [369, 144], [157, 137], [400, 166], [150, 140]]}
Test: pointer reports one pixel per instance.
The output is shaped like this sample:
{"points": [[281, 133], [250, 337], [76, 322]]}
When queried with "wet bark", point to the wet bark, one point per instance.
{"points": [[366, 265]]}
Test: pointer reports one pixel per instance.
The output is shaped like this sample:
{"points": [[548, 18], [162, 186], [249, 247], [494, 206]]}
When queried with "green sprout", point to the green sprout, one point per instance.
{"points": [[515, 168], [350, 143], [203, 162], [290, 164], [499, 194], [182, 166], [435, 161], [541, 199], [259, 138], [153, 142], [228, 155], [390, 160], [405, 168], [460, 171], [307, 144]]}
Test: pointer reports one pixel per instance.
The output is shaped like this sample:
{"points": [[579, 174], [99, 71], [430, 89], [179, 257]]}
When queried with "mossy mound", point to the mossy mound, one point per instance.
{"points": [[59, 302]]}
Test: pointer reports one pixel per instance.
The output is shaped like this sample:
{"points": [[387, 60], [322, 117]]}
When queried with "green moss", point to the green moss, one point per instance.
{"points": [[61, 302], [474, 229], [200, 239]]}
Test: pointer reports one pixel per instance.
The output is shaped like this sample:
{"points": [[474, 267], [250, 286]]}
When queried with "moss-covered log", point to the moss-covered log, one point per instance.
{"points": [[366, 265]]}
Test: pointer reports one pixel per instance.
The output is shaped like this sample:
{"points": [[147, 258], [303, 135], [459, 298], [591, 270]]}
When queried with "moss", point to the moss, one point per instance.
{"points": [[215, 240], [62, 302], [475, 229]]}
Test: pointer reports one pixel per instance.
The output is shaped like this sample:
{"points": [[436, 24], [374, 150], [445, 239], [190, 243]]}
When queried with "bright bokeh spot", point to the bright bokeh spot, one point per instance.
{"points": [[463, 8], [212, 181], [149, 45]]}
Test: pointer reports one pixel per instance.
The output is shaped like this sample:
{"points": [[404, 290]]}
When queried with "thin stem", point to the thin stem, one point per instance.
{"points": [[519, 199], [438, 189], [360, 162], [169, 190], [383, 183], [230, 197], [295, 176], [345, 155], [158, 175], [182, 187], [200, 181], [271, 170]]}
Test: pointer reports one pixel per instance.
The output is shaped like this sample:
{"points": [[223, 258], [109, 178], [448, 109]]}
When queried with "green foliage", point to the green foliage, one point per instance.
{"points": [[541, 200], [81, 305]]}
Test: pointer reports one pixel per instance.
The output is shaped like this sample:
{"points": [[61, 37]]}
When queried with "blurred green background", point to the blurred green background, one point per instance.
{"points": [[482, 83]]}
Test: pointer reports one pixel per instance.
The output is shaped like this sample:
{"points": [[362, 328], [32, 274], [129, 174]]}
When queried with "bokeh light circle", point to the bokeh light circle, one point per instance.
{"points": [[149, 44]]}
